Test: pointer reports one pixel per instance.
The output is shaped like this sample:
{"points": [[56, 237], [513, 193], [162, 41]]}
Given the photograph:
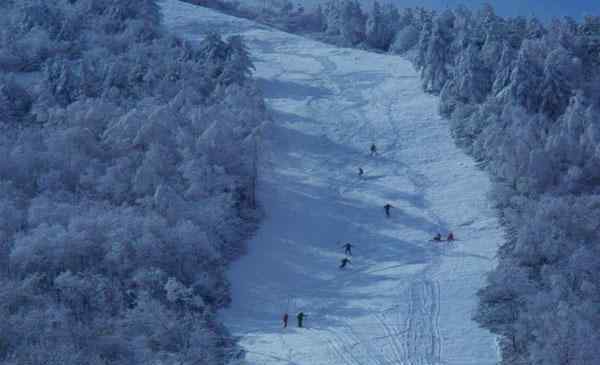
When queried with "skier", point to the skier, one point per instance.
{"points": [[373, 149], [387, 209], [300, 317], [345, 261], [361, 172], [348, 248], [437, 237], [285, 320], [450, 237]]}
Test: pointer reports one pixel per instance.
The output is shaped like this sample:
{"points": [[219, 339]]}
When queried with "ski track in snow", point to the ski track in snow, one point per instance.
{"points": [[404, 299]]}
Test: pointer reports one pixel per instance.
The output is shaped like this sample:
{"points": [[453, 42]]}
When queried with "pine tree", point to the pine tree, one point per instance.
{"points": [[239, 65], [504, 69], [214, 51]]}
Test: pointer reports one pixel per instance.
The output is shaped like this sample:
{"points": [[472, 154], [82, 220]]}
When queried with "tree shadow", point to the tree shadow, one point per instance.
{"points": [[280, 89], [299, 248], [372, 177]]}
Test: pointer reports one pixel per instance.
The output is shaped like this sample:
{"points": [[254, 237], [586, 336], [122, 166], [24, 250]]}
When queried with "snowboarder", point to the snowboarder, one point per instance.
{"points": [[387, 208], [345, 261], [450, 237], [373, 149], [361, 172], [300, 317], [437, 237], [348, 249], [285, 320]]}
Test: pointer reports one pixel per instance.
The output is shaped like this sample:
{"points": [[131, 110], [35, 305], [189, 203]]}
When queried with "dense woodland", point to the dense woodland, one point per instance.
{"points": [[523, 98], [126, 184]]}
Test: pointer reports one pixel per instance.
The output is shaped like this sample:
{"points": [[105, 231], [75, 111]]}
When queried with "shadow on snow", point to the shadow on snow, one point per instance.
{"points": [[307, 222]]}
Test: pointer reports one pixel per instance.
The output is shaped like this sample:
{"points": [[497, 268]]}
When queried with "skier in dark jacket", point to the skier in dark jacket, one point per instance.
{"points": [[373, 149], [285, 320], [361, 172], [345, 261], [300, 317], [387, 208], [348, 249], [437, 237]]}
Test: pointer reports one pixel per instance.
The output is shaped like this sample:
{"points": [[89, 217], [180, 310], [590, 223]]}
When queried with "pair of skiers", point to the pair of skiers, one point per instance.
{"points": [[373, 149], [299, 317], [361, 172], [438, 237]]}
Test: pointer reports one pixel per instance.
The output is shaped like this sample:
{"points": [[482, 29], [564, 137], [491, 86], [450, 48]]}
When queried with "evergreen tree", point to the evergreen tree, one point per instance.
{"points": [[239, 65], [353, 22], [527, 75], [15, 102], [425, 20]]}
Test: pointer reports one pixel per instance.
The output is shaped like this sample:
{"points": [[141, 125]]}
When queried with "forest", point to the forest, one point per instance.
{"points": [[127, 184], [523, 98]]}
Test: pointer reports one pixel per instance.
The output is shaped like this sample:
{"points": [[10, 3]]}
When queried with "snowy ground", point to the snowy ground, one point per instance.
{"points": [[404, 299]]}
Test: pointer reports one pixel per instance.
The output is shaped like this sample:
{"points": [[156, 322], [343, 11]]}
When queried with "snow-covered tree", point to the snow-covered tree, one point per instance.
{"points": [[345, 19], [353, 22], [437, 57], [381, 26], [562, 73], [527, 75], [425, 22], [405, 39], [503, 69], [115, 226], [472, 76]]}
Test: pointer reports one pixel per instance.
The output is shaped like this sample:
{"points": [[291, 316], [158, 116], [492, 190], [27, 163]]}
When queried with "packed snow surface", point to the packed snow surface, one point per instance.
{"points": [[403, 299]]}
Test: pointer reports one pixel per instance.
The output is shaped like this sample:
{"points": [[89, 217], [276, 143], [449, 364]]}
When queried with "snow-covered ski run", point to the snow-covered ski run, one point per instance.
{"points": [[403, 299]]}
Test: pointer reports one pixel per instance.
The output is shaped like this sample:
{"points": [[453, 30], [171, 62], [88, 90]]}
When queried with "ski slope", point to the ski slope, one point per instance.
{"points": [[404, 299]]}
